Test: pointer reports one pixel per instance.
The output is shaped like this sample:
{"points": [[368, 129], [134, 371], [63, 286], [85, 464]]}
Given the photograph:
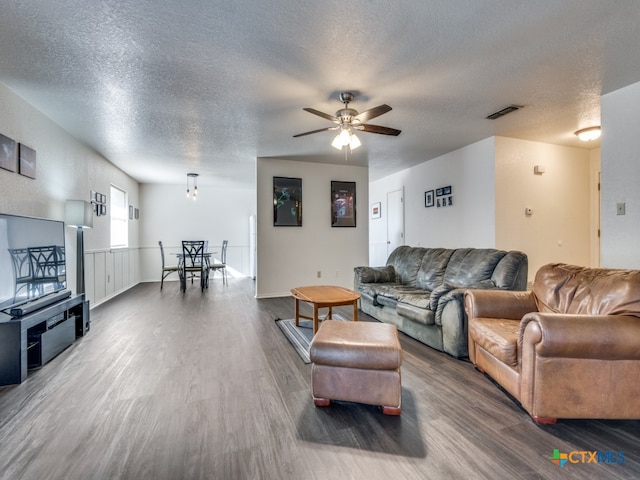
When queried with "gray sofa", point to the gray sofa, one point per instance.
{"points": [[421, 290]]}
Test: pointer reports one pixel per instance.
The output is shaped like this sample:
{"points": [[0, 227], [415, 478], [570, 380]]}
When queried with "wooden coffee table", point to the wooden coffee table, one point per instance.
{"points": [[324, 296]]}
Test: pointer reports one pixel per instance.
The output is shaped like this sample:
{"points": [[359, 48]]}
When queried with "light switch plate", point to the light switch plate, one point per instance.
{"points": [[620, 208]]}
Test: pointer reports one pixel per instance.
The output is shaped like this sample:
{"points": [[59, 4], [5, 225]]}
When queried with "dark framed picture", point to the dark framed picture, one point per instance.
{"points": [[446, 190], [103, 209], [137, 214], [439, 192], [376, 211], [428, 198], [450, 200], [287, 202], [343, 204], [130, 212], [27, 161], [8, 153]]}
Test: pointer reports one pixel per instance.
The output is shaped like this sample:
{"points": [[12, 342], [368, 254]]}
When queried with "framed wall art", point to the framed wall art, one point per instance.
{"points": [[428, 198], [8, 153], [343, 204], [27, 161], [287, 202], [375, 210]]}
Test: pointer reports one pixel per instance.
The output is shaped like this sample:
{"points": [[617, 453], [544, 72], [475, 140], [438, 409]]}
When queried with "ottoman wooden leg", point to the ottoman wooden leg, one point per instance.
{"points": [[321, 402], [391, 410]]}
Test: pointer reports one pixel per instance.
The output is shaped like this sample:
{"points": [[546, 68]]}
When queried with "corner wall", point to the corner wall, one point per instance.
{"points": [[558, 230], [218, 214], [291, 256], [67, 169], [469, 222], [620, 175]]}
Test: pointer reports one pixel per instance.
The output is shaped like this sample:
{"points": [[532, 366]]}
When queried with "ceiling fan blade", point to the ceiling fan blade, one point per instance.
{"points": [[377, 129], [315, 131], [372, 113], [321, 114]]}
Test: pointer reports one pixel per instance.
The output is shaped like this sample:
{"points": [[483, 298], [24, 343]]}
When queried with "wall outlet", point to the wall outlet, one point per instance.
{"points": [[319, 274]]}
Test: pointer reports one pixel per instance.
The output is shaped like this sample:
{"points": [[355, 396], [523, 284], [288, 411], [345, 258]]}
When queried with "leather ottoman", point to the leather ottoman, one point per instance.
{"points": [[357, 362]]}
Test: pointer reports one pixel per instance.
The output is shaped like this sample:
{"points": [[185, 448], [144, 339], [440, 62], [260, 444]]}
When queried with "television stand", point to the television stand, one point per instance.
{"points": [[31, 340]]}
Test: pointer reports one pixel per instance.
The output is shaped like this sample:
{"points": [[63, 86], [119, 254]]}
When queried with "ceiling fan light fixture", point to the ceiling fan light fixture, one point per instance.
{"points": [[588, 134], [355, 142], [337, 142]]}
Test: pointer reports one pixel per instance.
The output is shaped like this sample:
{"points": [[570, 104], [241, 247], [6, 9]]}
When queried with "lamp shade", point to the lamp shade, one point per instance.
{"points": [[78, 214]]}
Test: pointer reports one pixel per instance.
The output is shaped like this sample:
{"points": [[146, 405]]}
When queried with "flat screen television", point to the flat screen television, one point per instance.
{"points": [[32, 259]]}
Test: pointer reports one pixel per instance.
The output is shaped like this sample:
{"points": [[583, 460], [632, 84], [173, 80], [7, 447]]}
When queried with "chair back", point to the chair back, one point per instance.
{"points": [[46, 266], [161, 252], [223, 252], [193, 253]]}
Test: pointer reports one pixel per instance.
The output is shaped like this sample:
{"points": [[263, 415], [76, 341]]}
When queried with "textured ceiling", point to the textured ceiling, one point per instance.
{"points": [[161, 88]]}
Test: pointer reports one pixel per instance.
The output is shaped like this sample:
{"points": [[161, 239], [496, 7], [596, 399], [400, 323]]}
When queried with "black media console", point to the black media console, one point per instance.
{"points": [[34, 338]]}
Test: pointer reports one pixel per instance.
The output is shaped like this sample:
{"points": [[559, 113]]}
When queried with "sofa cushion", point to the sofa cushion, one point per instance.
{"points": [[497, 336], [434, 264], [376, 274], [470, 266], [415, 313], [406, 260], [561, 288]]}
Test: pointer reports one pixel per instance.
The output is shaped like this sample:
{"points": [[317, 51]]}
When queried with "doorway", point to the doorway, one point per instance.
{"points": [[395, 220]]}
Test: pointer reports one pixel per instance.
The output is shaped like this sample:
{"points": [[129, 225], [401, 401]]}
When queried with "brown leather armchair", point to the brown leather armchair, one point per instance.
{"points": [[569, 348]]}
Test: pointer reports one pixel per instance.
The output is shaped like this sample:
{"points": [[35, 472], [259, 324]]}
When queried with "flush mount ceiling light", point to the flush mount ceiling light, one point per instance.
{"points": [[588, 134], [193, 177]]}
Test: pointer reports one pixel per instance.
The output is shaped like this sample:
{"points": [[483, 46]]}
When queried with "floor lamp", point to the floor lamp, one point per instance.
{"points": [[79, 214]]}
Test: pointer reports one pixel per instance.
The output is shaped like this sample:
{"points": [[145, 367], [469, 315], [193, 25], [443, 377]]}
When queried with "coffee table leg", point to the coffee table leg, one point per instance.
{"points": [[315, 318], [297, 312], [330, 314], [355, 311]]}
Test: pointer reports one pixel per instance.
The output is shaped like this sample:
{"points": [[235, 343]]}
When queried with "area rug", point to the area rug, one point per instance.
{"points": [[300, 336]]}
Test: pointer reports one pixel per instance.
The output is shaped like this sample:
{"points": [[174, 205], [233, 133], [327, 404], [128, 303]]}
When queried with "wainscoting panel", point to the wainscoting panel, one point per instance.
{"points": [[109, 273]]}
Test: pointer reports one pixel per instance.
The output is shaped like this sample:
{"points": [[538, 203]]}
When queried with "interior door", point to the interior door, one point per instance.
{"points": [[395, 220]]}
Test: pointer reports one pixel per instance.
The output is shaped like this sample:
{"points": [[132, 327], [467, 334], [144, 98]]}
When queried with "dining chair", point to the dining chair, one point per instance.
{"points": [[222, 266], [166, 269], [193, 264]]}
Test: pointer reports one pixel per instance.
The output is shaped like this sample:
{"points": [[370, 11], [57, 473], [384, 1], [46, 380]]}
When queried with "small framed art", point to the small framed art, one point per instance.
{"points": [[287, 202], [27, 161], [375, 210], [428, 198], [343, 204], [8, 150]]}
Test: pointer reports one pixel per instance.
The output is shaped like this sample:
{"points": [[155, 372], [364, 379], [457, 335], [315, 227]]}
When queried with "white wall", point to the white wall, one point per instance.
{"points": [[218, 214], [67, 169], [620, 177], [470, 222], [292, 256], [559, 228]]}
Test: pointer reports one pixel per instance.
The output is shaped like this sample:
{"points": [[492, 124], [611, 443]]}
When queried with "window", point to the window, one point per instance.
{"points": [[119, 219]]}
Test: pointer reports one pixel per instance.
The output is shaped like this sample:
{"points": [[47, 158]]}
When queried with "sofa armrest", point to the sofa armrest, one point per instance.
{"points": [[603, 337], [375, 274], [498, 304]]}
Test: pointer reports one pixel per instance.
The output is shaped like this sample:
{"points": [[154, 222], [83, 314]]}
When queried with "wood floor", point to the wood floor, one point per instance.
{"points": [[205, 386]]}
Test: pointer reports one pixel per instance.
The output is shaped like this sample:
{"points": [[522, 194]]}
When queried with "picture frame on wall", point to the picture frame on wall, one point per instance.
{"points": [[343, 204], [8, 153], [428, 198], [287, 202], [136, 214], [27, 161], [130, 212], [376, 210]]}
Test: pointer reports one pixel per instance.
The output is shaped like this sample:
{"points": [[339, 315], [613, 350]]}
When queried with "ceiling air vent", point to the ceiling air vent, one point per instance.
{"points": [[503, 112]]}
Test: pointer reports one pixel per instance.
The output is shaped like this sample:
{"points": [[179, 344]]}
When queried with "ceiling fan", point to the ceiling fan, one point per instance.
{"points": [[347, 120]]}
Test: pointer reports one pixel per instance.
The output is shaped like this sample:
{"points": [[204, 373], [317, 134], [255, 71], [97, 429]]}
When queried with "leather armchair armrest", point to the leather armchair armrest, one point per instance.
{"points": [[498, 304], [375, 274], [605, 337]]}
